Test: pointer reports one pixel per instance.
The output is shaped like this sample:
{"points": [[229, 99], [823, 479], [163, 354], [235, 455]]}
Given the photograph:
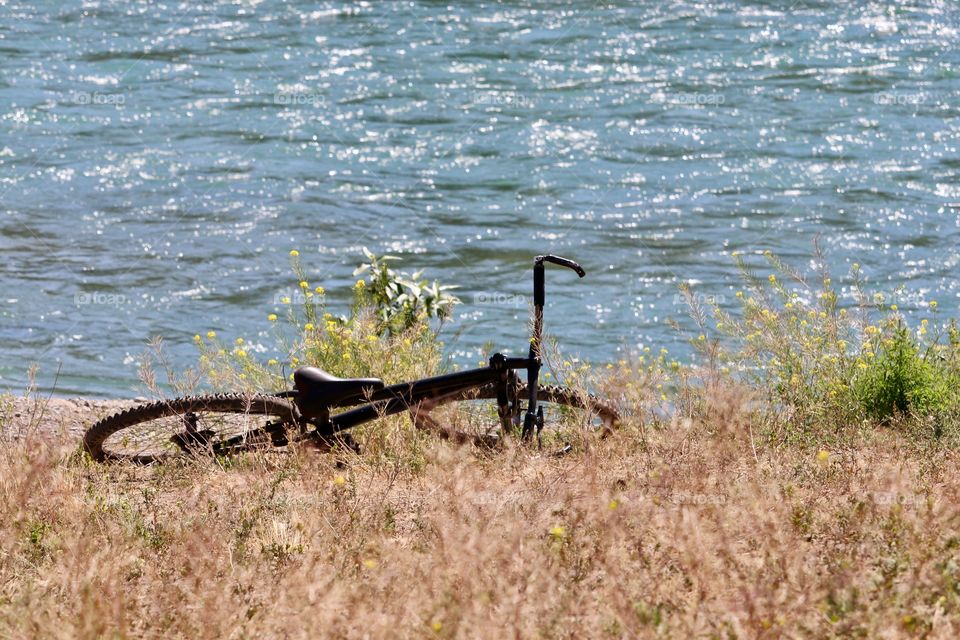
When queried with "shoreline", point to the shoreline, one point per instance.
{"points": [[30, 415]]}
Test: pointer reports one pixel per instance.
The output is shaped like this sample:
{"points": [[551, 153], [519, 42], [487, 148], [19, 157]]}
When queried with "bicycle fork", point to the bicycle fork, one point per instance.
{"points": [[533, 420]]}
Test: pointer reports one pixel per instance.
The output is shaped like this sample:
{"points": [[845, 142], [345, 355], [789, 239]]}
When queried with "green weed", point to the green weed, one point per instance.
{"points": [[829, 356]]}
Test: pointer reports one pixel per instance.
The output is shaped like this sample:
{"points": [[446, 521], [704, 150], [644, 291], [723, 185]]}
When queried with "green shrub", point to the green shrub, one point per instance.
{"points": [[825, 365], [401, 300], [903, 378]]}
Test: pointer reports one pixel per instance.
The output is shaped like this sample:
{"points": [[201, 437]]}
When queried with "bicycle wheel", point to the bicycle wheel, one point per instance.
{"points": [[473, 413], [198, 425]]}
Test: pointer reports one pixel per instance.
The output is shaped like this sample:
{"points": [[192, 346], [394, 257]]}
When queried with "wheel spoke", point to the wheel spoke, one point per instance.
{"points": [[202, 425], [475, 416]]}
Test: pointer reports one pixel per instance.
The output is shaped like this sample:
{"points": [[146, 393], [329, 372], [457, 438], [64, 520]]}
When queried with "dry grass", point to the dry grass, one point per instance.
{"points": [[687, 530]]}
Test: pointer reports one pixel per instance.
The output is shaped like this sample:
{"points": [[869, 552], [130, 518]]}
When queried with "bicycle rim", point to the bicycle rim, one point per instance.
{"points": [[197, 425], [472, 416]]}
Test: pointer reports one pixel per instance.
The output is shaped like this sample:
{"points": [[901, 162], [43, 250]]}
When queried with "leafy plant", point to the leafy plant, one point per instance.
{"points": [[400, 299], [826, 365], [902, 379]]}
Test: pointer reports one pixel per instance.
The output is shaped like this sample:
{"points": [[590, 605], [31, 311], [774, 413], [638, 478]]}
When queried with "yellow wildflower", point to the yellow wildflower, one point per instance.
{"points": [[211, 334], [294, 253], [272, 317]]}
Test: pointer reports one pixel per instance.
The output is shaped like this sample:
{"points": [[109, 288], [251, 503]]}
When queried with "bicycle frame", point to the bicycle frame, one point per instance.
{"points": [[406, 395], [409, 395]]}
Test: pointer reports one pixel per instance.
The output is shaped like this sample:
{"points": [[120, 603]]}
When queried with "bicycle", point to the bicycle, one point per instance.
{"points": [[227, 424]]}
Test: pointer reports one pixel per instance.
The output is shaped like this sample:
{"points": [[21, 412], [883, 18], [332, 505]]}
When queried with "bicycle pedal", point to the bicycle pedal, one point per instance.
{"points": [[343, 441], [567, 448], [192, 440]]}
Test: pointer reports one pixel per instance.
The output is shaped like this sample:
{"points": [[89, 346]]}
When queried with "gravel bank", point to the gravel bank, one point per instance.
{"points": [[64, 417]]}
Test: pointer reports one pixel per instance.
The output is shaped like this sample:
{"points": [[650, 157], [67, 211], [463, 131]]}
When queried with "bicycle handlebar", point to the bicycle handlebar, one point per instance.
{"points": [[563, 262], [539, 296]]}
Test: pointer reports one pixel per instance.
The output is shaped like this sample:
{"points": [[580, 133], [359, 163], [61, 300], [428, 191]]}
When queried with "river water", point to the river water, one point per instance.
{"points": [[158, 161]]}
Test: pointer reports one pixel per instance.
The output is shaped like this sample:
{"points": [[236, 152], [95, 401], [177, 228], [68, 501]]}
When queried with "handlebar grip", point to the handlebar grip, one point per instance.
{"points": [[563, 262]]}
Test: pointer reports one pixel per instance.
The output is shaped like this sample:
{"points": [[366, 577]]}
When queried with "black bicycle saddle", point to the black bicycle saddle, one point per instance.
{"points": [[317, 389]]}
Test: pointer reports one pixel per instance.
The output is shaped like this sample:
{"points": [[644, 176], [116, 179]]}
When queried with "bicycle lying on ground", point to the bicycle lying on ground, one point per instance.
{"points": [[227, 424]]}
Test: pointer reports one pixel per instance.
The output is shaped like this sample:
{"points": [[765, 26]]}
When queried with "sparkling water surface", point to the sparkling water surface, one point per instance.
{"points": [[158, 161]]}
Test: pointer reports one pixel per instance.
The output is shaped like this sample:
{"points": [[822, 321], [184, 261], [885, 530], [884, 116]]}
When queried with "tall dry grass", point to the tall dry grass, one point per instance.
{"points": [[694, 528]]}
